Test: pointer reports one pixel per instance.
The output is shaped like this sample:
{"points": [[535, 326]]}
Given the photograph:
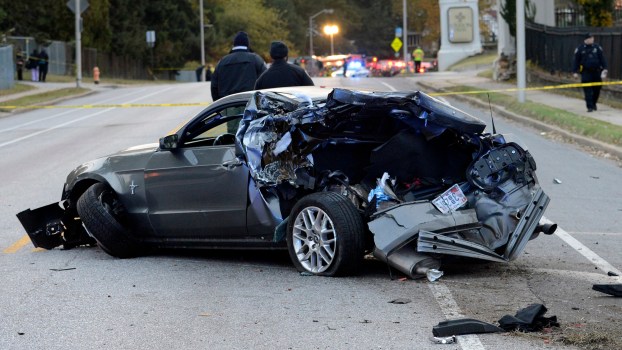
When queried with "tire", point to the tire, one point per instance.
{"points": [[339, 250], [102, 215]]}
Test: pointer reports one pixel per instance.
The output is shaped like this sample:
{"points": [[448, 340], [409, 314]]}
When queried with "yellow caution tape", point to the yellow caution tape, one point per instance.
{"points": [[547, 87], [125, 105], [195, 104]]}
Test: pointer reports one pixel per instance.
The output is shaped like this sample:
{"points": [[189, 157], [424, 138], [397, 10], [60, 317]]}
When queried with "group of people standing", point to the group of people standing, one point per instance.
{"points": [[37, 63], [243, 70]]}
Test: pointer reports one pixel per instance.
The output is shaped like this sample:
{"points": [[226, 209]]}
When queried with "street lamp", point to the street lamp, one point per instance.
{"points": [[331, 30], [311, 32]]}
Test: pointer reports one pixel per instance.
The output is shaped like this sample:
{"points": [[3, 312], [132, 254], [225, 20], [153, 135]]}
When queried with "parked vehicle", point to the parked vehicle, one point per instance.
{"points": [[328, 174]]}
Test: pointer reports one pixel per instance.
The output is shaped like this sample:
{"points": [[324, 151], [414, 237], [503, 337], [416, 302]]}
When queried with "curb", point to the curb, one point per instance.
{"points": [[579, 139]]}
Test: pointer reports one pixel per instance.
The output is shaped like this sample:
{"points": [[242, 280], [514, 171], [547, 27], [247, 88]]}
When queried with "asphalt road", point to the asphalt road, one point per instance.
{"points": [[84, 299]]}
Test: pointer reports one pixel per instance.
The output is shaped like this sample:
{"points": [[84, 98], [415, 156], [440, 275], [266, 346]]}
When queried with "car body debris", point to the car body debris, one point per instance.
{"points": [[329, 174], [611, 289]]}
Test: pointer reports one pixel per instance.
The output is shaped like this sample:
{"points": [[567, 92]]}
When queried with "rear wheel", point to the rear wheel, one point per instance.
{"points": [[103, 216], [325, 235]]}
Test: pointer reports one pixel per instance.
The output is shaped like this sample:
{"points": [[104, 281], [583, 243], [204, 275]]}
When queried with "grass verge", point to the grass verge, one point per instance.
{"points": [[37, 99], [16, 89], [592, 128]]}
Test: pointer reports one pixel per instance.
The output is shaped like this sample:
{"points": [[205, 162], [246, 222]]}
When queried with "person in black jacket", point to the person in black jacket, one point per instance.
{"points": [[589, 61], [44, 61], [281, 73], [237, 71]]}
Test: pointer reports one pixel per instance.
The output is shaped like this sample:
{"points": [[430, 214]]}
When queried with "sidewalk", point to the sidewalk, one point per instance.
{"points": [[573, 105]]}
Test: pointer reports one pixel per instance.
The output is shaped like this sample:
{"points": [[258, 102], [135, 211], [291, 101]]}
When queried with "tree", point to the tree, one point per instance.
{"points": [[508, 12], [598, 12], [263, 25]]}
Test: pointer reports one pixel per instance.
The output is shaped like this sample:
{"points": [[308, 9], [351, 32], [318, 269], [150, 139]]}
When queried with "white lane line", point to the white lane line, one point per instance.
{"points": [[76, 120], [594, 258], [63, 113], [450, 309], [389, 86]]}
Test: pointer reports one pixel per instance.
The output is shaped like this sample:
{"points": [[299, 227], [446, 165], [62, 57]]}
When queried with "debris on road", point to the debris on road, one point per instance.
{"points": [[400, 301], [529, 319], [463, 326], [444, 340], [611, 289]]}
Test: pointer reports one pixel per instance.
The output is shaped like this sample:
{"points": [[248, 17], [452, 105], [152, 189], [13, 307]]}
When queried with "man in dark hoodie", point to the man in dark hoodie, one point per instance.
{"points": [[237, 71], [281, 73]]}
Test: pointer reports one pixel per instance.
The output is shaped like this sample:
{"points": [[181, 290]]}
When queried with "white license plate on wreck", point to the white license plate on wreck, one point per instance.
{"points": [[450, 200]]}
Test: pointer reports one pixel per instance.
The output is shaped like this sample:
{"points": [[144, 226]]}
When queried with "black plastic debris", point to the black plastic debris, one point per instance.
{"points": [[529, 319], [463, 326], [400, 301], [611, 289]]}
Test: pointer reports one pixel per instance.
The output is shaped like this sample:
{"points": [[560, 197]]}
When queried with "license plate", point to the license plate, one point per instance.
{"points": [[450, 200]]}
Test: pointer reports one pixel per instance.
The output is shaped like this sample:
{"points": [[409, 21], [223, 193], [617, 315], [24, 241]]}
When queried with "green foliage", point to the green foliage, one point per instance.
{"points": [[508, 13], [598, 12], [118, 26]]}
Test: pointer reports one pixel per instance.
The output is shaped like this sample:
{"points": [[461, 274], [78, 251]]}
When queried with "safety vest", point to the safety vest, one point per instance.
{"points": [[418, 55]]}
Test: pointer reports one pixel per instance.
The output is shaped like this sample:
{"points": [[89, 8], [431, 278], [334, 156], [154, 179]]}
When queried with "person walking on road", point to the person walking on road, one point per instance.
{"points": [[281, 73], [589, 61], [418, 58], [238, 71]]}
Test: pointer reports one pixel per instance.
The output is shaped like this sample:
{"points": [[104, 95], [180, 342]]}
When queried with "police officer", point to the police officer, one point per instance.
{"points": [[589, 61]]}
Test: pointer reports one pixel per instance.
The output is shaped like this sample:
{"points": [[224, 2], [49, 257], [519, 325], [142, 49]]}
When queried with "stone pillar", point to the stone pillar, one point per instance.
{"points": [[460, 36], [506, 44]]}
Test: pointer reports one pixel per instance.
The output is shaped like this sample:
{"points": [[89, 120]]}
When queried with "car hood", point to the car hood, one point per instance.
{"points": [[132, 158]]}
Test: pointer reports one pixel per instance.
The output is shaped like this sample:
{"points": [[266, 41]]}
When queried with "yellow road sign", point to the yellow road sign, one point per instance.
{"points": [[396, 44]]}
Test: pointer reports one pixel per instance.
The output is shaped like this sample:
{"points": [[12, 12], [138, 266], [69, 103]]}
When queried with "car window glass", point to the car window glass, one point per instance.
{"points": [[212, 125]]}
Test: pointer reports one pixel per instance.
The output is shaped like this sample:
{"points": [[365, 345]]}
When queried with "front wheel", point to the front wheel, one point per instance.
{"points": [[325, 235], [103, 216]]}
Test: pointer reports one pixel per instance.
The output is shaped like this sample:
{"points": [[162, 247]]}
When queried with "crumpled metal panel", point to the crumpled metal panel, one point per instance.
{"points": [[399, 225], [275, 134]]}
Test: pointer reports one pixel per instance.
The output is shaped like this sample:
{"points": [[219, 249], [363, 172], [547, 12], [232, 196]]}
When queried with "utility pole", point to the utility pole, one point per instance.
{"points": [[520, 50], [202, 42], [405, 34], [78, 45]]}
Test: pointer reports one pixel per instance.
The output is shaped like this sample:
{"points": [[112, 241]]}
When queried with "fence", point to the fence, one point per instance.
{"points": [[553, 48], [7, 67], [571, 17]]}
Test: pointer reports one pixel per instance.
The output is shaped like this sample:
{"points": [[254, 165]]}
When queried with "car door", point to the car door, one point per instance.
{"points": [[199, 189]]}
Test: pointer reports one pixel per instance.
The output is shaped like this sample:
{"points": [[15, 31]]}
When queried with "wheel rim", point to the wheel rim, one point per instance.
{"points": [[314, 239], [111, 204]]}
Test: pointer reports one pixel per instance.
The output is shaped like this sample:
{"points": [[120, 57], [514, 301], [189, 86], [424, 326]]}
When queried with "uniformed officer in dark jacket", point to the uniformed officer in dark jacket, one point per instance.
{"points": [[589, 61], [237, 71], [281, 73]]}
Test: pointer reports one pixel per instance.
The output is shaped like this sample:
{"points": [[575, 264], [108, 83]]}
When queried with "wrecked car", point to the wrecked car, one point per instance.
{"points": [[329, 174]]}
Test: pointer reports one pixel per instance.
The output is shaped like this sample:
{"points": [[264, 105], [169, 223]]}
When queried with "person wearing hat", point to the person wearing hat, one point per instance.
{"points": [[281, 73], [237, 71], [589, 61]]}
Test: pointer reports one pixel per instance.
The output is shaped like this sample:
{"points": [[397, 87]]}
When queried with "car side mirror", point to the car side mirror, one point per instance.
{"points": [[169, 142]]}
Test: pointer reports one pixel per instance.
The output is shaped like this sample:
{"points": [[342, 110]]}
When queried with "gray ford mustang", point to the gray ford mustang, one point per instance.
{"points": [[329, 174]]}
